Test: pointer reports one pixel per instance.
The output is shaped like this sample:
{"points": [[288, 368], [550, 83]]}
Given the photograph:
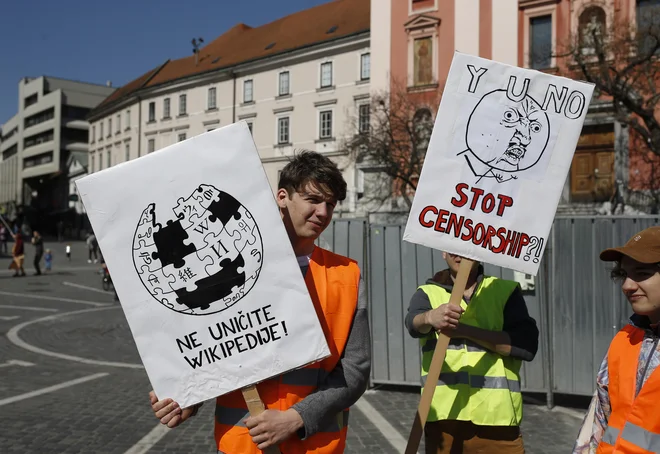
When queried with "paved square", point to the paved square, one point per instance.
{"points": [[72, 381]]}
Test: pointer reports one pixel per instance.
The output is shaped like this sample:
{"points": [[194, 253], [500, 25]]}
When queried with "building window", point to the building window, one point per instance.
{"points": [[152, 112], [540, 42], [326, 74], [128, 119], [182, 137], [648, 23], [250, 126], [151, 145], [109, 158], [91, 164], [182, 105], [39, 118], [109, 127], [100, 160], [363, 118], [365, 66], [32, 99], [284, 83], [101, 131], [423, 60], [247, 91], [127, 156], [212, 101], [325, 124], [283, 130], [38, 139], [166, 108], [118, 123], [93, 133]]}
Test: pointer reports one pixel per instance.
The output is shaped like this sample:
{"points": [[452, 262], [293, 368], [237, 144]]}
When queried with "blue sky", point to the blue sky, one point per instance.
{"points": [[118, 41]]}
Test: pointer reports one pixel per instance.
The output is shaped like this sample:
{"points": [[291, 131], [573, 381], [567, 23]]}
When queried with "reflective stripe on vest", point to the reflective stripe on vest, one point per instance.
{"points": [[454, 344], [634, 422], [332, 281], [474, 379], [634, 434]]}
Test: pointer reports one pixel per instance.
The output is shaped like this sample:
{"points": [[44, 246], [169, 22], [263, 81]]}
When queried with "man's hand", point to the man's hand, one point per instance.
{"points": [[444, 317], [272, 427], [169, 411]]}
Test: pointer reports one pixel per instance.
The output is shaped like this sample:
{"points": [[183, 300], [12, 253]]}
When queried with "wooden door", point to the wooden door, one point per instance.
{"points": [[582, 175], [592, 176]]}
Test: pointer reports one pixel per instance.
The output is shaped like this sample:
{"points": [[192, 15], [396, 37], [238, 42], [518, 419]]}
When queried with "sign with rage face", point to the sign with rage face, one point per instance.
{"points": [[496, 163]]}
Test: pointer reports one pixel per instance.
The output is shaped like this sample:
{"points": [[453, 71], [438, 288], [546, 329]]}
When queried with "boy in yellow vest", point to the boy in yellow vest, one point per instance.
{"points": [[307, 409], [477, 404]]}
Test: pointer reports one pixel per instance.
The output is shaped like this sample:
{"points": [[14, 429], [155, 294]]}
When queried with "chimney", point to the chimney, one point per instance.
{"points": [[108, 83]]}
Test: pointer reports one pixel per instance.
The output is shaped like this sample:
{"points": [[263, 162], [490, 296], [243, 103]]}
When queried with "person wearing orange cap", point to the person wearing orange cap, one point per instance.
{"points": [[624, 416]]}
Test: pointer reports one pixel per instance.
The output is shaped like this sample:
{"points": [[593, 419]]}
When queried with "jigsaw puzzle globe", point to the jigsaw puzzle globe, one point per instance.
{"points": [[205, 258]]}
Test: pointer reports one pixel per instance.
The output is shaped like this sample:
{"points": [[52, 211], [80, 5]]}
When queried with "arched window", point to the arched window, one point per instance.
{"points": [[591, 29]]}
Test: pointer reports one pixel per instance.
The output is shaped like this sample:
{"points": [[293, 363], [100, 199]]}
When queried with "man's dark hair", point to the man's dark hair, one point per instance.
{"points": [[309, 166]]}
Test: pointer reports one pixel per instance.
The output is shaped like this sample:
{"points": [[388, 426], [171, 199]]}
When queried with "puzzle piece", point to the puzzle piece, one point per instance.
{"points": [[215, 287], [158, 282], [187, 276], [218, 247], [188, 210], [207, 194], [224, 208], [201, 227], [145, 257], [170, 245], [241, 228], [147, 216]]}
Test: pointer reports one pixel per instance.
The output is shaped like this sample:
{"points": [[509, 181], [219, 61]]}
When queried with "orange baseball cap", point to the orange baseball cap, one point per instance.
{"points": [[643, 247]]}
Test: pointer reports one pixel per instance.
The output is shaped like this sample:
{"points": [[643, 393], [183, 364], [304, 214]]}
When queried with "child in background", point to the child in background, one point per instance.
{"points": [[48, 258], [68, 252]]}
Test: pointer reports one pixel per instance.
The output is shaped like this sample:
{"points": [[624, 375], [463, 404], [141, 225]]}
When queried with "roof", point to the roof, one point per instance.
{"points": [[242, 43]]}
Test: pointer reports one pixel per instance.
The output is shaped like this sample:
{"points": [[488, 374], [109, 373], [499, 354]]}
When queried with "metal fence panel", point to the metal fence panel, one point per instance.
{"points": [[576, 305]]}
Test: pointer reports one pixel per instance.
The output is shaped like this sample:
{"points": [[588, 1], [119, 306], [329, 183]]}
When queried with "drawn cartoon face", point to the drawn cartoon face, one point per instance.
{"points": [[507, 135]]}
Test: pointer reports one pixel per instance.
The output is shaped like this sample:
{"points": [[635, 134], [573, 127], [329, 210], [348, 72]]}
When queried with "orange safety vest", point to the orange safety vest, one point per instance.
{"points": [[634, 424], [332, 281]]}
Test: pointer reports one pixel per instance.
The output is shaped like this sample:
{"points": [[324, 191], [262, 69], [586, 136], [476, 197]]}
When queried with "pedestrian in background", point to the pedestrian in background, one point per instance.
{"points": [[477, 403], [624, 416], [18, 255], [68, 252], [38, 243], [4, 233], [92, 247], [48, 260]]}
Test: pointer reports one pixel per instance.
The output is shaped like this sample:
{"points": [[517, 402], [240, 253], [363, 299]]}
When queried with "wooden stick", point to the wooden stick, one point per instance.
{"points": [[436, 363], [256, 407]]}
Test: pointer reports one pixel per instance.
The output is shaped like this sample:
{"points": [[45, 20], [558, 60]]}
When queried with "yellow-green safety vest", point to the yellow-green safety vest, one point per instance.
{"points": [[475, 384]]}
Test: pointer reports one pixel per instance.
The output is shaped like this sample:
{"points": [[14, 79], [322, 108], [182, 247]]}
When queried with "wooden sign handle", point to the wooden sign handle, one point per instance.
{"points": [[436, 363], [256, 407]]}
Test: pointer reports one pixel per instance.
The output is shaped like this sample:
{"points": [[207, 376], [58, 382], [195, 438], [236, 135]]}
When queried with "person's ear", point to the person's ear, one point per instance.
{"points": [[280, 196]]}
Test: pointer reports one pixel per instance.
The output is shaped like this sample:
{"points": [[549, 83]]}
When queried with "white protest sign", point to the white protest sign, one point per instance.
{"points": [[203, 266], [497, 160]]}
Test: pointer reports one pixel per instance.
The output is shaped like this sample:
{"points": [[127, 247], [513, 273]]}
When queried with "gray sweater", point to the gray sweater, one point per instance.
{"points": [[344, 385]]}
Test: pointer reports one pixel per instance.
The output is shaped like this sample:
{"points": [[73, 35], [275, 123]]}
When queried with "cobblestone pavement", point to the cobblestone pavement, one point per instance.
{"points": [[72, 381]]}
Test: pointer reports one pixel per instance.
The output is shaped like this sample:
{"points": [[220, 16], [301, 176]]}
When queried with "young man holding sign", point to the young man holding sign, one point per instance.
{"points": [[624, 415], [307, 409], [477, 404]]}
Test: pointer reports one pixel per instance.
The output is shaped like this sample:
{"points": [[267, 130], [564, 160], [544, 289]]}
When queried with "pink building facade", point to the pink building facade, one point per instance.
{"points": [[413, 42]]}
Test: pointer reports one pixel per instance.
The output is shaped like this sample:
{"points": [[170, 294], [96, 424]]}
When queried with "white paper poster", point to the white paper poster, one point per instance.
{"points": [[497, 160], [203, 266]]}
